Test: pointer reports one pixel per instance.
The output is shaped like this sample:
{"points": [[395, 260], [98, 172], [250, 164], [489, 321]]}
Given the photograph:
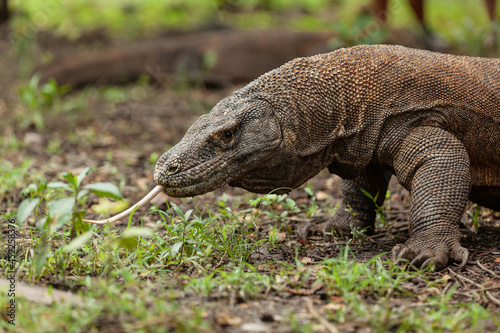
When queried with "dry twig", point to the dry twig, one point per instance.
{"points": [[495, 275], [329, 327], [487, 293]]}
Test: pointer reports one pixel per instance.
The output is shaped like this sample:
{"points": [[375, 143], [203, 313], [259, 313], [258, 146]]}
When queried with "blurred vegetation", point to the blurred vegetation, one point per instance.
{"points": [[464, 23], [130, 18], [451, 19]]}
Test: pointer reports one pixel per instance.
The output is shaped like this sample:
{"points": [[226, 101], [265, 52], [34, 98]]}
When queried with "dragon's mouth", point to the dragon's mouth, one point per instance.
{"points": [[203, 182], [127, 212]]}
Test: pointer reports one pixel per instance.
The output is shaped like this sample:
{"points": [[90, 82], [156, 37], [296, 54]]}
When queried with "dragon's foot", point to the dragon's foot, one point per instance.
{"points": [[317, 226], [328, 227], [421, 252]]}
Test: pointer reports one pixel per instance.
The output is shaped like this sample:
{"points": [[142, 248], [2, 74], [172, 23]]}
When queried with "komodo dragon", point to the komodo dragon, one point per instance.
{"points": [[365, 113]]}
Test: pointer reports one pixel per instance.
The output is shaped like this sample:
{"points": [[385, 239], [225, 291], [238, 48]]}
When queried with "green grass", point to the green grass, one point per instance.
{"points": [[244, 281], [11, 177], [14, 176], [108, 306], [352, 283], [138, 278], [139, 288]]}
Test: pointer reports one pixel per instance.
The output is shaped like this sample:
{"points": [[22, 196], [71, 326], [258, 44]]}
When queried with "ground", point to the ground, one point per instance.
{"points": [[120, 131]]}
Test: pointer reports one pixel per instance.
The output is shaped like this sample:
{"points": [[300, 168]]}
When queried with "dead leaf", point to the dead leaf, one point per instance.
{"points": [[281, 236], [317, 268], [336, 299], [305, 260], [446, 278], [304, 242], [226, 319], [486, 213], [336, 304], [314, 269], [497, 260], [304, 291], [279, 279], [321, 196]]}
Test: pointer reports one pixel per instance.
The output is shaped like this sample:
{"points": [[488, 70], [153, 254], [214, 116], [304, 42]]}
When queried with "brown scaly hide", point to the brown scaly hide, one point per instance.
{"points": [[365, 113]]}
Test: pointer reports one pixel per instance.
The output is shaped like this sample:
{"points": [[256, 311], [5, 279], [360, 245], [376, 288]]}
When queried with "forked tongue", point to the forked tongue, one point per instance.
{"points": [[138, 205]]}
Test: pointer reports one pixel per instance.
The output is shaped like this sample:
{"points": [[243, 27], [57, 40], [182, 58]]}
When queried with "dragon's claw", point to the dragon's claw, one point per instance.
{"points": [[424, 253]]}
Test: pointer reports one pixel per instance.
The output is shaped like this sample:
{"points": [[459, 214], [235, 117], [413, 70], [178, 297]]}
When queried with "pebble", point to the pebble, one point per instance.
{"points": [[33, 139]]}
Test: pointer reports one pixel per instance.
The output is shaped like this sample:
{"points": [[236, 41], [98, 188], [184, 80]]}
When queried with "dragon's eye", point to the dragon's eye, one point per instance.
{"points": [[228, 134]]}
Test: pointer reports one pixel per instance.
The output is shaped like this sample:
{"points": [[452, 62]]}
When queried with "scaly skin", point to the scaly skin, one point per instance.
{"points": [[366, 112]]}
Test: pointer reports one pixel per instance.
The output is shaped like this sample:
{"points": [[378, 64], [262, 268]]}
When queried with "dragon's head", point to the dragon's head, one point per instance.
{"points": [[220, 147]]}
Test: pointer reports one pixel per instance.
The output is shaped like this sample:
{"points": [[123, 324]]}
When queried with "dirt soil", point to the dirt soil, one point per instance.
{"points": [[122, 136]]}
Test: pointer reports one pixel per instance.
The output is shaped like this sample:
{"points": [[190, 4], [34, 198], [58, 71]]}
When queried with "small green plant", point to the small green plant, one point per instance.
{"points": [[59, 207], [474, 213], [346, 277], [245, 281], [11, 177], [272, 202], [234, 238], [54, 146], [64, 202], [187, 240], [192, 239], [312, 209], [153, 158], [358, 235], [273, 236], [350, 211], [38, 99], [350, 283], [9, 142], [381, 215]]}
